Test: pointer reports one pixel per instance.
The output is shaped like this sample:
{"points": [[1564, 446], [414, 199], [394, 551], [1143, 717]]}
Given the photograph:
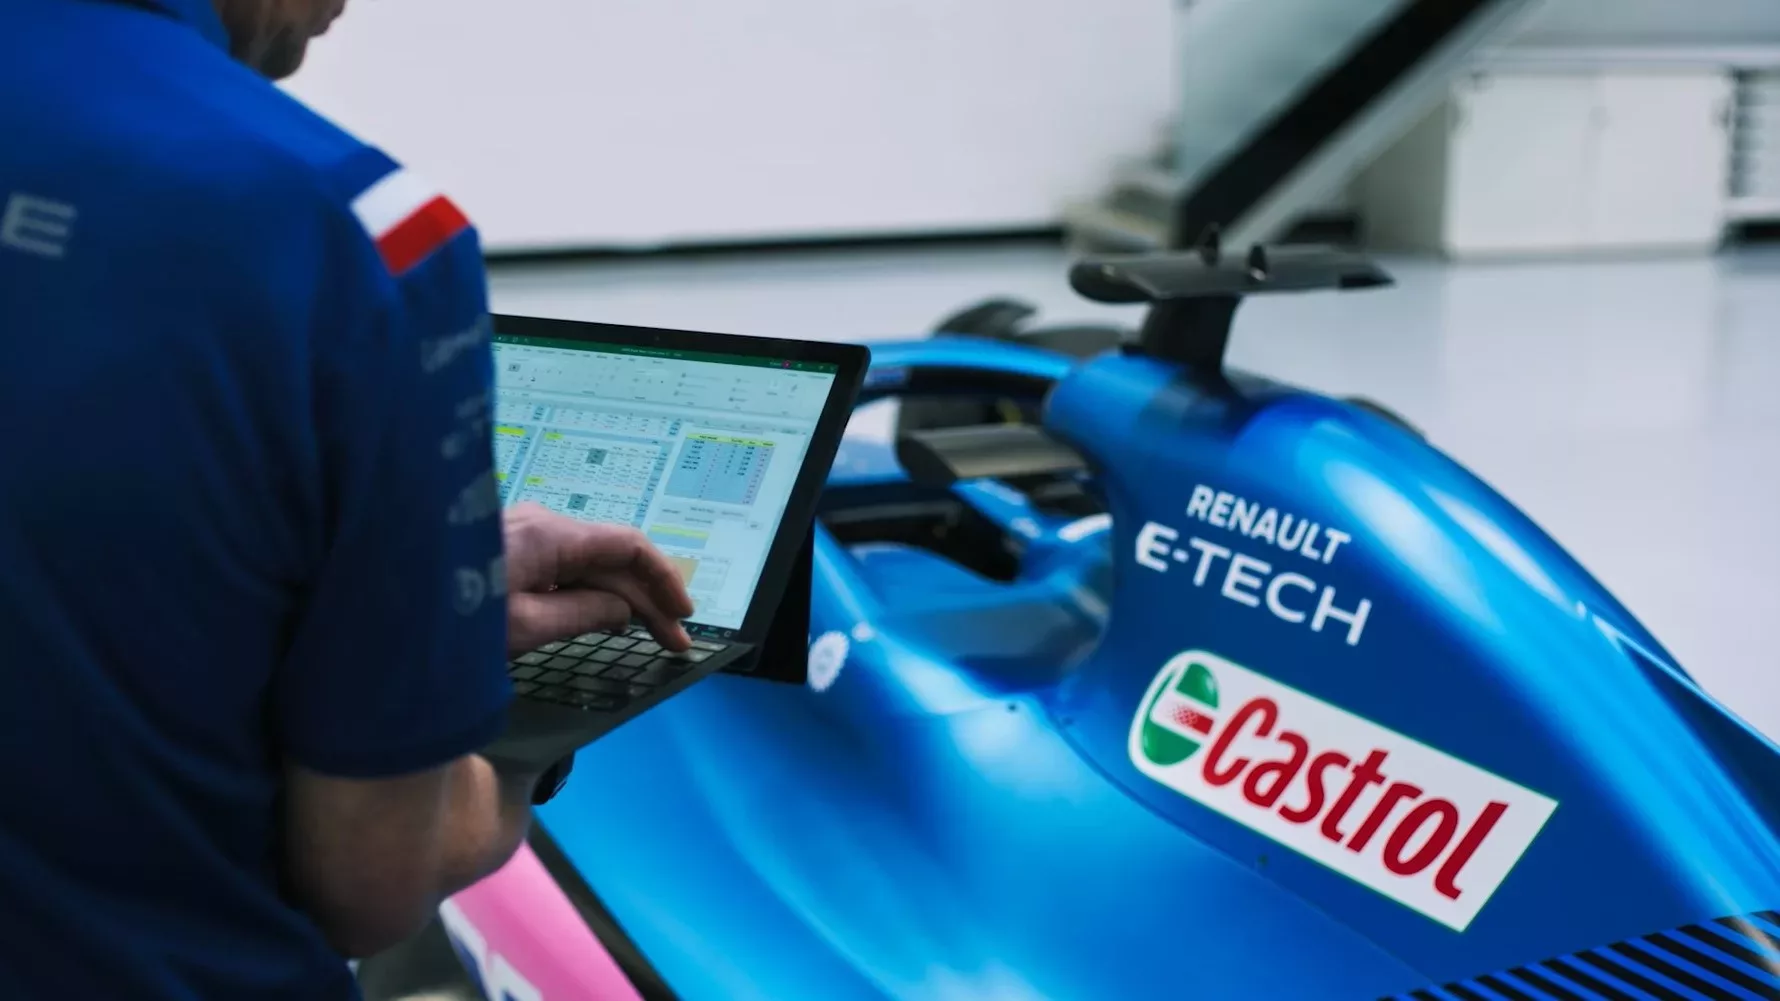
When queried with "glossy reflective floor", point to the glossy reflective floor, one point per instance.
{"points": [[1630, 407]]}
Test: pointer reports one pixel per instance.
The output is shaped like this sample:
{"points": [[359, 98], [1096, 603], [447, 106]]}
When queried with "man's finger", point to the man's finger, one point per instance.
{"points": [[663, 626], [603, 549], [663, 580]]}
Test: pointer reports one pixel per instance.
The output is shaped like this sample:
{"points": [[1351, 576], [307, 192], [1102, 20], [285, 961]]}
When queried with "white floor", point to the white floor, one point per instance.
{"points": [[1629, 406]]}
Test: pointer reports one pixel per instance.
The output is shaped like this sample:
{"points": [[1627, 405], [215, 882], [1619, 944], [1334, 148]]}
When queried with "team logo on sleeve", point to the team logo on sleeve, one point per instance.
{"points": [[1420, 826], [408, 218]]}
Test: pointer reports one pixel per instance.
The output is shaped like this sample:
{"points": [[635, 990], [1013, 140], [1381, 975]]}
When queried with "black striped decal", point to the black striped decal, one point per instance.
{"points": [[1725, 959]]}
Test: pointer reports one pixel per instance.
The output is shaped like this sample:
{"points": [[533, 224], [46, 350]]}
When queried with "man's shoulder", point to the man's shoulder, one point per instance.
{"points": [[406, 218], [160, 147], [157, 97], [278, 140], [177, 145]]}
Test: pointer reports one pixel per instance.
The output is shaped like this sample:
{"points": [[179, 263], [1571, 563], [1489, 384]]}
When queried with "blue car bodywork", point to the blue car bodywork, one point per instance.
{"points": [[1119, 769]]}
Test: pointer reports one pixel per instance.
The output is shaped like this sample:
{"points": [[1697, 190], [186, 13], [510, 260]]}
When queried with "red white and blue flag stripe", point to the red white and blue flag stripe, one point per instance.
{"points": [[408, 218]]}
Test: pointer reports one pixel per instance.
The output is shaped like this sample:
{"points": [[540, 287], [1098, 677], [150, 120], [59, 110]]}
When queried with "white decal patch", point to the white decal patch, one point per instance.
{"points": [[1292, 533], [439, 352], [479, 501], [1288, 596], [1432, 832], [496, 977], [472, 590], [473, 586], [827, 656], [37, 226], [1081, 528]]}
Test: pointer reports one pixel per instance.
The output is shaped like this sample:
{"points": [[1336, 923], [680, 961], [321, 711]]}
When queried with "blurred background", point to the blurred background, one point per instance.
{"points": [[1576, 197]]}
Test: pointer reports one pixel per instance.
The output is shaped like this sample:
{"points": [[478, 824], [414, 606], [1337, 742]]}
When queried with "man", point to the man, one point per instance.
{"points": [[253, 600]]}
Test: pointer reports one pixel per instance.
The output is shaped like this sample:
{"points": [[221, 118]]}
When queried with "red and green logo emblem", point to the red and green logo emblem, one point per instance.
{"points": [[1180, 716]]}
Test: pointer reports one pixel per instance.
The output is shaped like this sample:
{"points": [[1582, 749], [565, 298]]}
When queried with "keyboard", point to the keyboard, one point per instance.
{"points": [[603, 672]]}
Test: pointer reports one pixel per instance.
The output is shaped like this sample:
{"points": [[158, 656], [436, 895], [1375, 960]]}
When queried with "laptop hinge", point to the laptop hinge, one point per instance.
{"points": [[784, 656]]}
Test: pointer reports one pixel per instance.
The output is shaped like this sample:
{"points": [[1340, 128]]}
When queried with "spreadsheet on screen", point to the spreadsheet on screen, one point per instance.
{"points": [[699, 451]]}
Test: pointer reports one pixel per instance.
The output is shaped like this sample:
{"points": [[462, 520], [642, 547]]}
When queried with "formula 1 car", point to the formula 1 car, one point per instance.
{"points": [[1132, 676]]}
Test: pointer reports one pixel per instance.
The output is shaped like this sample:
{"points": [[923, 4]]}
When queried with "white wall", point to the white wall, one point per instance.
{"points": [[598, 123], [574, 123]]}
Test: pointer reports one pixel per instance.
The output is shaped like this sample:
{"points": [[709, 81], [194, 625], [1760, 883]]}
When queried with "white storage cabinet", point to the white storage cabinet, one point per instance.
{"points": [[1560, 162], [1755, 165]]}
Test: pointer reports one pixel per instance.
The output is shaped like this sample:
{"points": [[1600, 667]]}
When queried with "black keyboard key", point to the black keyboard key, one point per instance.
{"points": [[620, 673], [670, 665], [656, 676], [634, 660], [588, 668], [556, 694], [647, 646], [599, 685], [576, 650], [553, 677], [524, 673], [525, 688], [606, 656], [599, 702], [706, 645], [591, 639], [561, 663], [551, 647], [619, 643], [639, 691], [535, 657]]}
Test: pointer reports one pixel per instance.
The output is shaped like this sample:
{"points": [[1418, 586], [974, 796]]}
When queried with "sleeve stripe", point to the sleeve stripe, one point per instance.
{"points": [[408, 218]]}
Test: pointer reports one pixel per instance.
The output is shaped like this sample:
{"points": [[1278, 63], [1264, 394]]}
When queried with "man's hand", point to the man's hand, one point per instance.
{"points": [[567, 577]]}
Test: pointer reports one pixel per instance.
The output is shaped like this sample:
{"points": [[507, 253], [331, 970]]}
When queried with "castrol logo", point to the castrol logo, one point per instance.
{"points": [[1420, 826]]}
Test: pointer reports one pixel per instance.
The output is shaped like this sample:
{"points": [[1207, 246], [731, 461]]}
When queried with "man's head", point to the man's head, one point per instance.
{"points": [[272, 35]]}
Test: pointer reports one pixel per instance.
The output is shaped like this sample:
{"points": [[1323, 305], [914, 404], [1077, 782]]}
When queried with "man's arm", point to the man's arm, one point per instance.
{"points": [[370, 859], [395, 676]]}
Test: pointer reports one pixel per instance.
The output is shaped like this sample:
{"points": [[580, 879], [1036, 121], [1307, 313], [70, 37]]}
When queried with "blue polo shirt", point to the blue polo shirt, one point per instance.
{"points": [[246, 509]]}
